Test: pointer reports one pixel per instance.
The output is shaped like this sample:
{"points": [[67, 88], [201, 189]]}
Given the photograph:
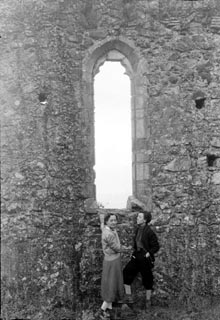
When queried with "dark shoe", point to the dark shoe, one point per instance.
{"points": [[120, 301], [128, 299], [109, 312], [103, 315]]}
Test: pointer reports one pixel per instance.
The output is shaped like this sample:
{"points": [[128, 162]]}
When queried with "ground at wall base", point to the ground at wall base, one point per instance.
{"points": [[174, 311]]}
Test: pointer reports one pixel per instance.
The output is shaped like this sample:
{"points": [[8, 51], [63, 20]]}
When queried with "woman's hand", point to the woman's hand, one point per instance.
{"points": [[147, 255], [126, 248], [101, 214]]}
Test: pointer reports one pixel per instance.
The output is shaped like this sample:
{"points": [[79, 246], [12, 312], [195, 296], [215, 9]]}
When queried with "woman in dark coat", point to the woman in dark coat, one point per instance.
{"points": [[145, 246]]}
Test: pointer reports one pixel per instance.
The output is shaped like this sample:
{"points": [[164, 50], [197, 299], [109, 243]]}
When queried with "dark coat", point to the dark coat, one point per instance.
{"points": [[149, 241]]}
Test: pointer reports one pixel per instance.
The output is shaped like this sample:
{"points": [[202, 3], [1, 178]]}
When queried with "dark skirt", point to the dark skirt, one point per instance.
{"points": [[112, 287]]}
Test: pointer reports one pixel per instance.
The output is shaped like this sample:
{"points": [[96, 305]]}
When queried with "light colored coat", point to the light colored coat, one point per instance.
{"points": [[110, 243]]}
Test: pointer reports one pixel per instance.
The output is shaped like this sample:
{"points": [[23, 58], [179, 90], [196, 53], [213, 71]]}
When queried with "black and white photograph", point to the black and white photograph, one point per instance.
{"points": [[110, 159]]}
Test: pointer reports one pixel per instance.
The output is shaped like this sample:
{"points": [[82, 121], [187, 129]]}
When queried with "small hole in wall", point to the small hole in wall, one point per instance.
{"points": [[211, 159], [42, 98], [200, 103]]}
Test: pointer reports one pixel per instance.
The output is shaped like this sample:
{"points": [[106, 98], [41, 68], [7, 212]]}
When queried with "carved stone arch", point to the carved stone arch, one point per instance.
{"points": [[102, 48], [123, 50]]}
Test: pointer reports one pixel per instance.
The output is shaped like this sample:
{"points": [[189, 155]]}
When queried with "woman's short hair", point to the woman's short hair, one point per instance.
{"points": [[147, 215], [108, 215]]}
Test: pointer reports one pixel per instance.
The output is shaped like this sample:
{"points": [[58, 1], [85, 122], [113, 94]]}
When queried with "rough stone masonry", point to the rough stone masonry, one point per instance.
{"points": [[50, 53]]}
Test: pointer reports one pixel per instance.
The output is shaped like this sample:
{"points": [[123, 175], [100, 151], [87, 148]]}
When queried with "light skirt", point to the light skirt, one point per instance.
{"points": [[112, 287]]}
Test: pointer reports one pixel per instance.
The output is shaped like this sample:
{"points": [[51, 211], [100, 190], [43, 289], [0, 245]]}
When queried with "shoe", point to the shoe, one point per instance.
{"points": [[128, 299], [104, 315], [120, 301], [109, 312], [148, 304]]}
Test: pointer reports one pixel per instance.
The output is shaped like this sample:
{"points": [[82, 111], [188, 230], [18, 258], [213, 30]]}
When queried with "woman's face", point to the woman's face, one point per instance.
{"points": [[112, 222], [140, 218]]}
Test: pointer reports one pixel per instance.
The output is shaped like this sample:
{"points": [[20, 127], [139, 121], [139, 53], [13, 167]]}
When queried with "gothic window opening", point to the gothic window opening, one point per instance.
{"points": [[122, 52], [113, 137]]}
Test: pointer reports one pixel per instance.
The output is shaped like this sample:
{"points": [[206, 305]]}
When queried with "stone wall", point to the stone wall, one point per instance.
{"points": [[47, 136]]}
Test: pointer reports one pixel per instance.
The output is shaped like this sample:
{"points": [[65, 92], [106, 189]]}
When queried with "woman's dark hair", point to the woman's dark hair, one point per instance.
{"points": [[108, 215], [147, 215]]}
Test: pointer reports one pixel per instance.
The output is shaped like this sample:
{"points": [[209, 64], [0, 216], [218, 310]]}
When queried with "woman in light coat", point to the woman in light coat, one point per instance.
{"points": [[112, 287]]}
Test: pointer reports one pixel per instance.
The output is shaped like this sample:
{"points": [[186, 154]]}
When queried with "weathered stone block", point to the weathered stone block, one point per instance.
{"points": [[178, 165], [140, 128], [216, 178], [143, 171], [215, 142], [90, 206]]}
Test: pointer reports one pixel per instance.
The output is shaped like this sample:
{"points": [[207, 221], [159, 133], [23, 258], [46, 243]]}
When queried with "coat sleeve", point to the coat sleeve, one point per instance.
{"points": [[112, 243], [153, 244], [134, 240]]}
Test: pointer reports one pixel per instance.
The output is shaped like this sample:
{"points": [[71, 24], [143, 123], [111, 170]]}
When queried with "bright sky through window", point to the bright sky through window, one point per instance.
{"points": [[113, 149]]}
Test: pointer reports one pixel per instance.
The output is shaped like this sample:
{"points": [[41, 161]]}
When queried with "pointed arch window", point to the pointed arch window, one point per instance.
{"points": [[123, 51]]}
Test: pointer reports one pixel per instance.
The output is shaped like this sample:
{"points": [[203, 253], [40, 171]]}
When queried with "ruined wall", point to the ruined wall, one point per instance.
{"points": [[48, 151]]}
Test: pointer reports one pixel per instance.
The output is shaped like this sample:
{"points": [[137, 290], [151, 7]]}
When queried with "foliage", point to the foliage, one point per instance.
{"points": [[58, 268], [45, 253], [173, 311]]}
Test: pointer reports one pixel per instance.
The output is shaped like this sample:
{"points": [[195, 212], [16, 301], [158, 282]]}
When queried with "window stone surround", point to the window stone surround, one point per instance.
{"points": [[123, 50]]}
